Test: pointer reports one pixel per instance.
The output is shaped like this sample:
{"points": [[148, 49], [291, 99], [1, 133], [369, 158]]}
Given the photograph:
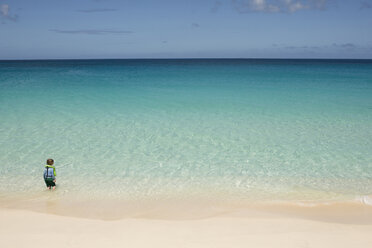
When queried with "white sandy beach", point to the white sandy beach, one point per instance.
{"points": [[22, 228]]}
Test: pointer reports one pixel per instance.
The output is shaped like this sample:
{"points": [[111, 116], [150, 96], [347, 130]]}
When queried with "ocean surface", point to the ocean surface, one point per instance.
{"points": [[256, 130]]}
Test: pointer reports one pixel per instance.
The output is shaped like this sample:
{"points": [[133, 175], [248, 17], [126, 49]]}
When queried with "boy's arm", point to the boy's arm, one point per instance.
{"points": [[54, 174]]}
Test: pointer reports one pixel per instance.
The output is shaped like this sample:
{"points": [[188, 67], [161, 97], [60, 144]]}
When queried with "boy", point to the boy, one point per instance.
{"points": [[50, 174]]}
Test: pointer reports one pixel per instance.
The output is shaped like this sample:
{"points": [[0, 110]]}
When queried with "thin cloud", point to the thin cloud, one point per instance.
{"points": [[96, 10], [91, 31], [216, 6], [332, 46], [344, 45], [318, 4], [5, 14], [276, 6], [365, 5], [245, 6], [302, 47], [4, 10], [293, 7]]}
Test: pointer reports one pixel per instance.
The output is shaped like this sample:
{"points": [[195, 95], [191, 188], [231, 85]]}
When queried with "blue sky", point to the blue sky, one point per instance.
{"points": [[61, 29]]}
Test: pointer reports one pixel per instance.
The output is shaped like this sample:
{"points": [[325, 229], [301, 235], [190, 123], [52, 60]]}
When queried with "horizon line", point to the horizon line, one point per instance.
{"points": [[196, 58]]}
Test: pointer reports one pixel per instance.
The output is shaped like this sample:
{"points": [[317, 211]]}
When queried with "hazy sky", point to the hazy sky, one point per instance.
{"points": [[32, 29]]}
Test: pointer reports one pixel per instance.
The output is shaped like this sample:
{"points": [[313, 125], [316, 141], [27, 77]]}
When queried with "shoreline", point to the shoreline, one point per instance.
{"points": [[355, 212]]}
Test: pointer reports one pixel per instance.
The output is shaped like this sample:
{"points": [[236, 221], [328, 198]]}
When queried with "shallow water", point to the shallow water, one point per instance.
{"points": [[286, 130]]}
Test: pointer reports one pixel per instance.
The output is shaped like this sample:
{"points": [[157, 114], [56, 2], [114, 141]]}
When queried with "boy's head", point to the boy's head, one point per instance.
{"points": [[50, 161]]}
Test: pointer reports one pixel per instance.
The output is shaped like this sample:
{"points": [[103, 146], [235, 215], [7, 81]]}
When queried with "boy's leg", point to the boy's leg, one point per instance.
{"points": [[49, 184], [53, 184]]}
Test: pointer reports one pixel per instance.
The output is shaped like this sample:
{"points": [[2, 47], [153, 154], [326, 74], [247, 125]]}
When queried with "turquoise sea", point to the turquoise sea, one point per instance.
{"points": [[231, 129]]}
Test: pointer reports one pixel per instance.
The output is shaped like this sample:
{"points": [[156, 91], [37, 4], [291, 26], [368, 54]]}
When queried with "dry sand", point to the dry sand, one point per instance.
{"points": [[23, 228]]}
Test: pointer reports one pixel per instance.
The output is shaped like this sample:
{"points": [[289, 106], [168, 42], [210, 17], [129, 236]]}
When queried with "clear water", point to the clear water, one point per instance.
{"points": [[246, 129]]}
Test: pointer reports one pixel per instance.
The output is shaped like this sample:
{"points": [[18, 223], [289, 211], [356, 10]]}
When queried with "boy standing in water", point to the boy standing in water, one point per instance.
{"points": [[50, 174]]}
